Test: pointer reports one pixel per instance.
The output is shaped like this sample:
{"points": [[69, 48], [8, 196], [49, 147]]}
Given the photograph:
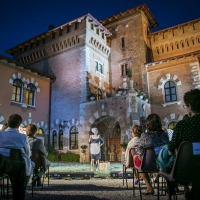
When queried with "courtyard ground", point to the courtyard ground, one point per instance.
{"points": [[94, 188]]}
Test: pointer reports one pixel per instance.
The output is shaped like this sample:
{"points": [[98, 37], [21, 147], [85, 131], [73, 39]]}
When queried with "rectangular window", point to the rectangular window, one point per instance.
{"points": [[123, 43], [60, 32], [124, 70], [102, 35], [76, 25], [43, 40], [97, 31], [99, 67], [68, 28], [52, 35], [92, 26]]}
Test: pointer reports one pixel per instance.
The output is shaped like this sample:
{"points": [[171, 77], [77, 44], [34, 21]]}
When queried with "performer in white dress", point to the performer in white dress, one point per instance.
{"points": [[95, 148]]}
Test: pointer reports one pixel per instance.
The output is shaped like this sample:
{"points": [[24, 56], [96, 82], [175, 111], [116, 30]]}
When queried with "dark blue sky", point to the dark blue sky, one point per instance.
{"points": [[21, 20]]}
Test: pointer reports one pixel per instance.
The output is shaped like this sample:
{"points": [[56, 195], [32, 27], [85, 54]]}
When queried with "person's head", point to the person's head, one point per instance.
{"points": [[95, 131], [21, 129], [192, 101], [153, 123], [14, 121], [136, 131], [31, 130], [4, 127]]}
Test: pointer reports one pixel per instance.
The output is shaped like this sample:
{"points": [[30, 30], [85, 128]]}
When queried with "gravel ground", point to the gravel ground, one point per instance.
{"points": [[94, 188]]}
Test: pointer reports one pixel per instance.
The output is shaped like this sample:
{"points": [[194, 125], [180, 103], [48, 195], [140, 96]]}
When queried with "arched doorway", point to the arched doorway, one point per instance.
{"points": [[110, 131]]}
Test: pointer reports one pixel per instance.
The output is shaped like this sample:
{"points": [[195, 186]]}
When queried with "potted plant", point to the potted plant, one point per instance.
{"points": [[119, 90], [83, 148], [92, 96], [147, 99], [123, 145], [140, 94]]}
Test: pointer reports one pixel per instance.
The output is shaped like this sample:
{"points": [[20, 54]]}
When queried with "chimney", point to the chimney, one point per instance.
{"points": [[51, 26]]}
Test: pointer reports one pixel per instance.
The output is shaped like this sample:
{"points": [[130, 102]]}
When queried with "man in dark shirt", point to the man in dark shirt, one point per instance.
{"points": [[189, 130]]}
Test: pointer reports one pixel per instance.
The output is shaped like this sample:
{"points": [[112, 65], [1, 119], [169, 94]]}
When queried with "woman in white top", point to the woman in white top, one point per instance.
{"points": [[95, 151]]}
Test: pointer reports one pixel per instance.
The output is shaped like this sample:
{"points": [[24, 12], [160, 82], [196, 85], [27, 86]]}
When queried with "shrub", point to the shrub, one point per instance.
{"points": [[70, 157]]}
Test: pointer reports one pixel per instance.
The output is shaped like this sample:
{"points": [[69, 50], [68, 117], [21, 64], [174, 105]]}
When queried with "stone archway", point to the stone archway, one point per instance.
{"points": [[110, 131]]}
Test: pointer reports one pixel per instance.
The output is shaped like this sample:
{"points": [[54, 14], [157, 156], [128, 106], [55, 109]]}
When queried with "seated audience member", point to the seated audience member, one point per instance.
{"points": [[188, 130], [11, 139], [21, 129], [155, 136], [133, 143], [37, 144], [4, 127]]}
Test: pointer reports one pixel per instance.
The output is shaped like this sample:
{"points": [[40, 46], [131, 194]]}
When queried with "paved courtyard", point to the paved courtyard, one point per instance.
{"points": [[94, 188]]}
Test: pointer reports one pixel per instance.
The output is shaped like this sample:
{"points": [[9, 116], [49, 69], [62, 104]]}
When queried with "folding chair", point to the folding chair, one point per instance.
{"points": [[2, 178], [131, 165], [148, 166], [39, 164], [186, 166]]}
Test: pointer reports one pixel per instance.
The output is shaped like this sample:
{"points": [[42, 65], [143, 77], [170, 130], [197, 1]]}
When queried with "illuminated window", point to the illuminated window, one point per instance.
{"points": [[17, 90], [124, 69], [60, 139], [74, 138], [99, 67], [170, 91], [54, 139], [30, 94], [40, 131]]}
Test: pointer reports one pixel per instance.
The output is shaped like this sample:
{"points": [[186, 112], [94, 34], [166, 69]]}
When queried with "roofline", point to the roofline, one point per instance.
{"points": [[65, 24], [17, 64], [173, 27], [172, 58], [141, 7]]}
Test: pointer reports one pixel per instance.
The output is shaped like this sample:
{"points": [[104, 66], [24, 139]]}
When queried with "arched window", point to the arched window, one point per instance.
{"points": [[99, 94], [30, 94], [187, 42], [157, 50], [182, 44], [40, 131], [172, 46], [162, 49], [17, 90], [60, 139], [170, 91], [198, 39], [177, 45], [54, 139], [74, 138], [192, 41], [167, 48]]}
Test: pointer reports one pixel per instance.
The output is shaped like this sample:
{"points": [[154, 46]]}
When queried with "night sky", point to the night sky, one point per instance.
{"points": [[21, 20]]}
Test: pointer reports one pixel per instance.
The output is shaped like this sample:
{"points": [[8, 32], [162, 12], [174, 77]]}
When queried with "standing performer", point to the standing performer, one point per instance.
{"points": [[95, 151]]}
